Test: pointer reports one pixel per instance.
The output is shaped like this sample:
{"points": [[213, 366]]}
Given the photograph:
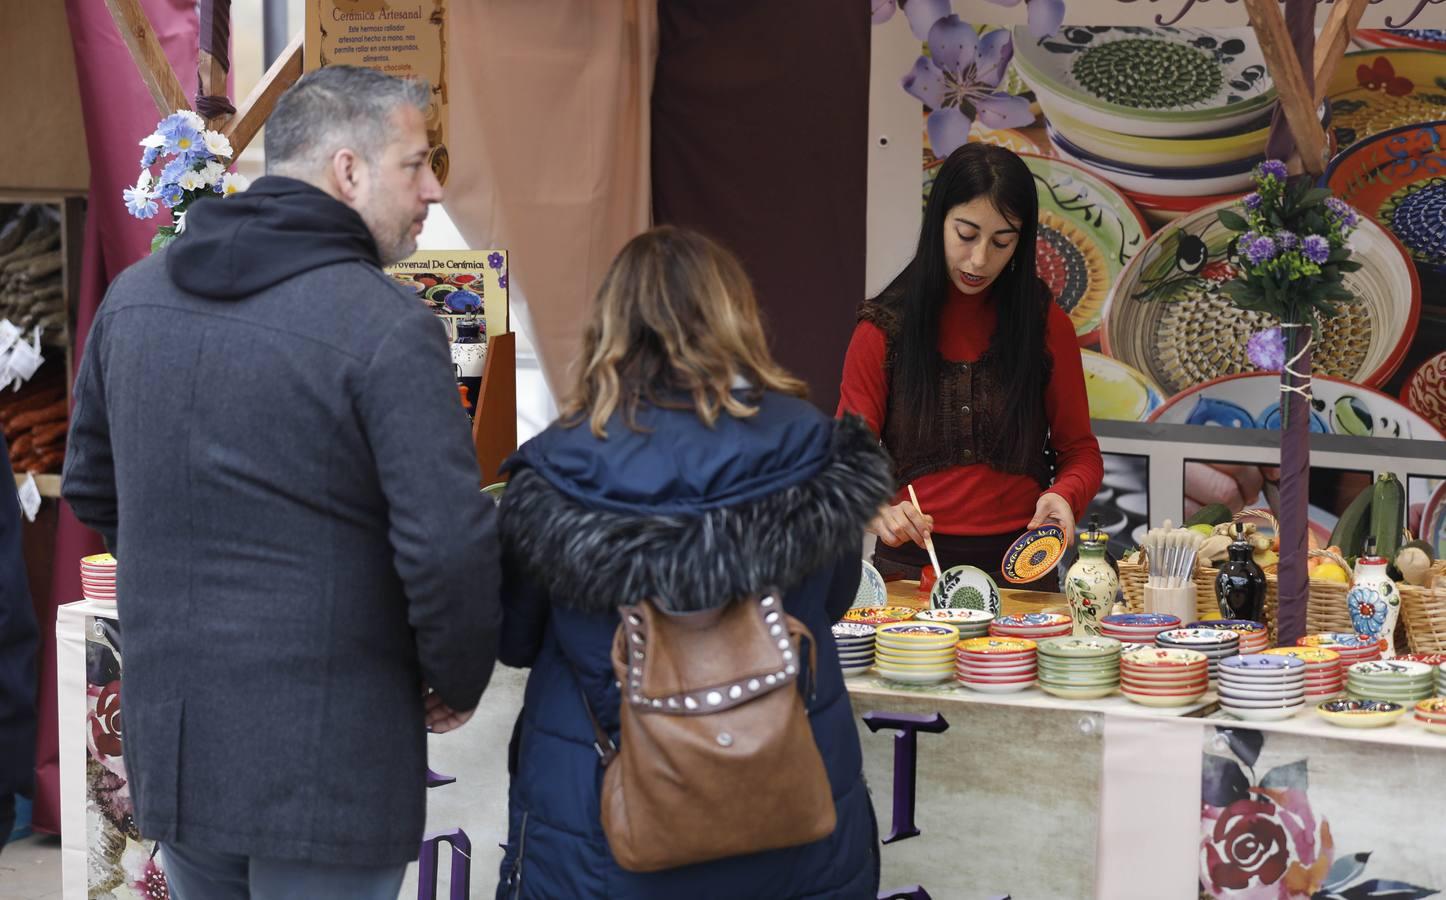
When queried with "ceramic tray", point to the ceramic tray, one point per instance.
{"points": [[1425, 391], [1159, 82], [1376, 90], [1168, 318], [1398, 178], [1087, 233], [1252, 400]]}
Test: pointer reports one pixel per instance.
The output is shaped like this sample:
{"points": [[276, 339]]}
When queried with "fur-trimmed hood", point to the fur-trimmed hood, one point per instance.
{"points": [[685, 515]]}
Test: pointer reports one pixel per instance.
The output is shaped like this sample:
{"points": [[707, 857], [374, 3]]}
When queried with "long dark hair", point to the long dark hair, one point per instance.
{"points": [[1017, 347]]}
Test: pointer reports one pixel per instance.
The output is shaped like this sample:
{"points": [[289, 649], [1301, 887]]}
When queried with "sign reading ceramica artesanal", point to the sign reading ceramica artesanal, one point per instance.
{"points": [[1407, 14], [405, 38]]}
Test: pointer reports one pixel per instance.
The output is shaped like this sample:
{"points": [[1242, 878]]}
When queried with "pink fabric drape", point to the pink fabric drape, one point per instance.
{"points": [[118, 113]]}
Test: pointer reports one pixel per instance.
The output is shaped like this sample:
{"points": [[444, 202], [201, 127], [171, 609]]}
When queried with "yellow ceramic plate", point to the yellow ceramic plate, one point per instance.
{"points": [[1147, 151], [100, 559], [993, 645], [879, 615], [1306, 655]]}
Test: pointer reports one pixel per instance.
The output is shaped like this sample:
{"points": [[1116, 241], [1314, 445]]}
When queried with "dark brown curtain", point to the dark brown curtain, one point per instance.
{"points": [[760, 131]]}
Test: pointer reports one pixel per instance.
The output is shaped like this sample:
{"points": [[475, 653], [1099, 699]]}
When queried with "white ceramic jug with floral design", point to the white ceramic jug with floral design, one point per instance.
{"points": [[1374, 602], [1091, 583]]}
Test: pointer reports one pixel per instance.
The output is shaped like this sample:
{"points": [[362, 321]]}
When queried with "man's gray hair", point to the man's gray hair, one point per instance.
{"points": [[334, 108]]}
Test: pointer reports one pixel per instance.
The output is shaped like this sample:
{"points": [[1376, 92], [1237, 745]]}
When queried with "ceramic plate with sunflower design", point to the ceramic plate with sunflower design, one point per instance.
{"points": [[1033, 554], [1376, 90]]}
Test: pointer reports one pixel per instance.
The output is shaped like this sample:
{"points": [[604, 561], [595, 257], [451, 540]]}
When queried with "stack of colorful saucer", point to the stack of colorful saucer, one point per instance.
{"points": [[972, 623], [1261, 688], [996, 665], [1431, 659], [879, 615], [1137, 628], [1431, 714], [1324, 676], [1353, 648], [1032, 626], [915, 652], [1079, 668], [97, 578], [1390, 679], [1215, 643], [1253, 636], [1156, 677], [855, 642], [1350, 713]]}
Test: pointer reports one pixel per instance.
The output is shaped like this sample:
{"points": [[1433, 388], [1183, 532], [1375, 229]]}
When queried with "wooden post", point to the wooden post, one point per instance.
{"points": [[1334, 41], [253, 112], [212, 76], [140, 39], [1296, 96]]}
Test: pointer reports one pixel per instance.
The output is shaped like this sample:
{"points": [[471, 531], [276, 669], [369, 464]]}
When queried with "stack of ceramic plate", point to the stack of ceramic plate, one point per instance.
{"points": [[1324, 676], [1079, 668], [97, 578], [1351, 713], [1215, 643], [1353, 648], [1431, 659], [1431, 714], [879, 615], [1261, 688], [972, 623], [855, 647], [1389, 679], [1156, 677], [1033, 626], [1138, 628], [1253, 636], [1441, 680], [915, 652], [996, 665]]}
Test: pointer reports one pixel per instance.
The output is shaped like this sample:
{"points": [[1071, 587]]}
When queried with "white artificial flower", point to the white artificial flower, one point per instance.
{"points": [[180, 223], [217, 144], [153, 140], [144, 182], [234, 183], [212, 172], [192, 119], [191, 180]]}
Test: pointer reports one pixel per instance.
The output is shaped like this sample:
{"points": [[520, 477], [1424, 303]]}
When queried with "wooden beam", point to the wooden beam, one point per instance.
{"points": [[145, 48], [1334, 41], [251, 115], [1296, 99], [212, 76], [494, 422]]}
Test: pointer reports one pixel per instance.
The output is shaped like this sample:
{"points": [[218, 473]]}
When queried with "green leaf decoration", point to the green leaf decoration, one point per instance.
{"points": [[1233, 221]]}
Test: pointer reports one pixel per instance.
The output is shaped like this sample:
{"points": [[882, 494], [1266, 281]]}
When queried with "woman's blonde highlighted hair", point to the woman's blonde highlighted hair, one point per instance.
{"points": [[675, 318]]}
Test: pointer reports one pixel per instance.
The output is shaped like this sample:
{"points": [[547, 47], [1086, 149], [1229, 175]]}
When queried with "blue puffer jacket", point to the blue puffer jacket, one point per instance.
{"points": [[693, 516]]}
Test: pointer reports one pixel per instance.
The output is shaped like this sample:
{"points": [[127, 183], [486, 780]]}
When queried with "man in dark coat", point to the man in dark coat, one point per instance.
{"points": [[18, 639], [267, 434]]}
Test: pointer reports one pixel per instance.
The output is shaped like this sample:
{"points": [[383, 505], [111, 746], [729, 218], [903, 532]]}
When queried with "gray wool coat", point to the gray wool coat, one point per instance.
{"points": [[267, 433]]}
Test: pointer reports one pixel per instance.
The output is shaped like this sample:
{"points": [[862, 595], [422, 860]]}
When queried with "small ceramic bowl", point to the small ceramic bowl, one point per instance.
{"points": [[1360, 713], [959, 618]]}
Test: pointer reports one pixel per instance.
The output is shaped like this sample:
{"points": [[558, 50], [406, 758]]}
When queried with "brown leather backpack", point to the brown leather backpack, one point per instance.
{"points": [[718, 758]]}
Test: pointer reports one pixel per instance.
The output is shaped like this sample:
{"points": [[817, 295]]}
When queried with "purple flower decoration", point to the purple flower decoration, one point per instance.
{"points": [[1266, 350], [958, 81], [922, 14], [1252, 201], [1045, 16], [494, 260], [1316, 248], [1287, 241], [502, 281], [1260, 250], [1273, 168], [1342, 212]]}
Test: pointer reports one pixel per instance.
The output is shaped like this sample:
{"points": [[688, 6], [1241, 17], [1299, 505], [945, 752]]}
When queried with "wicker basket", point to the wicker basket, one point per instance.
{"points": [[1132, 585], [1423, 609]]}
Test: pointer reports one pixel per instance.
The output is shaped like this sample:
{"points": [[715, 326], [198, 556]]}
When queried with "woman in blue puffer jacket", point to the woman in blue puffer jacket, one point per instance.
{"points": [[686, 469]]}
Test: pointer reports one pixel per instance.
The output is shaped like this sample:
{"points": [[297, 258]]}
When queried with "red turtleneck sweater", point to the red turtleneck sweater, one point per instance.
{"points": [[977, 499]]}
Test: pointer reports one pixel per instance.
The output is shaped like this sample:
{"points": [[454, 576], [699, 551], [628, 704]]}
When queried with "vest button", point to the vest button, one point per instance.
{"points": [[967, 455], [964, 409]]}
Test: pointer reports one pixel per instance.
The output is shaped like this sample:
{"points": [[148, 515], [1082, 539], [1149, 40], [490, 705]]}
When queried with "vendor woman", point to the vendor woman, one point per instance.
{"points": [[971, 376]]}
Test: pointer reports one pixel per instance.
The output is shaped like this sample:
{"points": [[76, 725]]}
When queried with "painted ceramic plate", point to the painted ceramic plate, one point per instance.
{"points": [[1252, 400], [1218, 179], [872, 590], [1141, 620], [1422, 38], [1398, 178], [1163, 657], [1033, 554], [1425, 391], [957, 617], [1392, 669], [1032, 620], [920, 632], [1168, 318], [1244, 627], [1078, 693], [1337, 640], [965, 587], [1374, 91], [1430, 659], [1087, 233], [1434, 708], [1160, 82], [1118, 391], [99, 560], [1360, 713], [1198, 636], [879, 615], [1259, 663], [1306, 655], [1205, 150], [1433, 520], [993, 646], [854, 630]]}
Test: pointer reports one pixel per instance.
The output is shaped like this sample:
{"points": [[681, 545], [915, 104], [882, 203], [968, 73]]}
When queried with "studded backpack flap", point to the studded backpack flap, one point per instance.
{"points": [[718, 757]]}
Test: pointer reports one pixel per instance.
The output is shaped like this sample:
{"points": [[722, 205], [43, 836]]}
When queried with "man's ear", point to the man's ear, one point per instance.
{"points": [[348, 171]]}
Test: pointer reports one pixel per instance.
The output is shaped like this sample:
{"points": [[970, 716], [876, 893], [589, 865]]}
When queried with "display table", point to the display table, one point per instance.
{"points": [[1030, 795]]}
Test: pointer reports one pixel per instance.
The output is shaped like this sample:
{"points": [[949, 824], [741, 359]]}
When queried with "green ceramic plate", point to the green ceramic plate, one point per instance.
{"points": [[1084, 648]]}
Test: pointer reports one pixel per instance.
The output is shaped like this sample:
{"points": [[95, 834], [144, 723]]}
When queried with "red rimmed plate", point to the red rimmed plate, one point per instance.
{"points": [[1425, 391], [1409, 38]]}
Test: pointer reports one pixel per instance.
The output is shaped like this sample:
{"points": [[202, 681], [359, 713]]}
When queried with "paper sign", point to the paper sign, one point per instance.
{"points": [[29, 493]]}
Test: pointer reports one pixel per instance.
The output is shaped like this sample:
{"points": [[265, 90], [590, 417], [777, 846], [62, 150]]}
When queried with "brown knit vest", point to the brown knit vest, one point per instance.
{"points": [[968, 409]]}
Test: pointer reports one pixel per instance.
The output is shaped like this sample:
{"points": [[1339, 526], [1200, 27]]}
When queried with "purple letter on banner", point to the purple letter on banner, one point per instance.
{"points": [[906, 751]]}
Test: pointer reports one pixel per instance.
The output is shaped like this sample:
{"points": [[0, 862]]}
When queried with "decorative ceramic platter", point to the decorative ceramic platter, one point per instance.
{"points": [[1168, 318], [1080, 647], [961, 617], [1398, 178], [1425, 391], [1033, 554], [1422, 38], [1160, 82], [1032, 620], [872, 590], [965, 587], [1252, 400], [879, 615], [1374, 91], [1118, 391], [1163, 657], [1087, 233]]}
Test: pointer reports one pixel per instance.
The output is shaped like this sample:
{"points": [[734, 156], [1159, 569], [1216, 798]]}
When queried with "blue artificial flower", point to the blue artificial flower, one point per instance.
{"points": [[180, 134], [140, 203], [1316, 248], [171, 194], [1252, 201], [148, 157], [1273, 168], [1260, 250], [494, 260], [1287, 240], [172, 171]]}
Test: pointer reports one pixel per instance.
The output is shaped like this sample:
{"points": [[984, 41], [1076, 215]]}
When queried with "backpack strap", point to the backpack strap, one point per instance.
{"points": [[607, 751]]}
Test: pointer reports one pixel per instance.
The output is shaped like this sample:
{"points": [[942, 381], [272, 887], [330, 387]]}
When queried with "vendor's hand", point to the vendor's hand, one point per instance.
{"points": [[1052, 509], [442, 718], [1235, 486], [901, 522]]}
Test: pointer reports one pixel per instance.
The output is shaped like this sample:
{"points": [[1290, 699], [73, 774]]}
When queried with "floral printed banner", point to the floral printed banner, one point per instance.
{"points": [[1280, 820], [1417, 14]]}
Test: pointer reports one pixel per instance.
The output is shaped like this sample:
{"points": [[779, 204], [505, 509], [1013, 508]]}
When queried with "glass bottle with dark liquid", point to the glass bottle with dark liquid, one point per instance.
{"points": [[1240, 586]]}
